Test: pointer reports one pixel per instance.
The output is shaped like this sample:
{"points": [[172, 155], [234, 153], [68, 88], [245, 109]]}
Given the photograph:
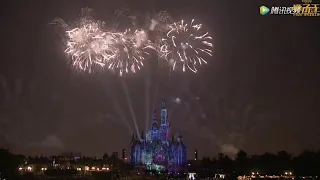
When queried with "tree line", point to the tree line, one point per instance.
{"points": [[305, 164]]}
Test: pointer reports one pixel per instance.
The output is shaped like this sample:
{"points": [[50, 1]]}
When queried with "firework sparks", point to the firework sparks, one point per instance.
{"points": [[185, 46], [130, 49], [86, 42], [180, 44], [88, 45]]}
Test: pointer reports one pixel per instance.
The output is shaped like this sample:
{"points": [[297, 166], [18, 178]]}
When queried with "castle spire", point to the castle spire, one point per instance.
{"points": [[155, 123], [164, 125], [154, 115], [180, 133], [180, 138], [142, 135], [133, 139], [163, 104]]}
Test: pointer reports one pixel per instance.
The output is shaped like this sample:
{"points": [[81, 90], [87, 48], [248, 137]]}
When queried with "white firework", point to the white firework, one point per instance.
{"points": [[130, 49], [185, 46]]}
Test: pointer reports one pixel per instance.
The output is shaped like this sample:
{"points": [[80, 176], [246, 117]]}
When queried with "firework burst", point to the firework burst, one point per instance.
{"points": [[129, 50], [181, 45], [87, 46], [185, 45], [86, 43]]}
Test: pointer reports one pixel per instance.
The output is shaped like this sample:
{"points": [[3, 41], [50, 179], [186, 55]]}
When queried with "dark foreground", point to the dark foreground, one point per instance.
{"points": [[94, 176]]}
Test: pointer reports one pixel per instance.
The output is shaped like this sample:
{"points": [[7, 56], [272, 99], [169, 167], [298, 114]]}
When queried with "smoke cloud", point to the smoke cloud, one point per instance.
{"points": [[229, 149]]}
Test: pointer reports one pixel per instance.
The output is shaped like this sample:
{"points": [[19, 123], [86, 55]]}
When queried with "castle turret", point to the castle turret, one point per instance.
{"points": [[164, 126], [124, 155], [133, 139], [196, 155], [180, 138], [154, 129], [154, 116], [181, 152], [142, 135]]}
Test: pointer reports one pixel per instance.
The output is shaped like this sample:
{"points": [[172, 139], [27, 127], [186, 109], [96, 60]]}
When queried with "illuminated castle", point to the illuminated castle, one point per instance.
{"points": [[155, 150]]}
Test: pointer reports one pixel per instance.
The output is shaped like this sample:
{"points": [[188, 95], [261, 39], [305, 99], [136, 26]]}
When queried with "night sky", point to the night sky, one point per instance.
{"points": [[259, 92]]}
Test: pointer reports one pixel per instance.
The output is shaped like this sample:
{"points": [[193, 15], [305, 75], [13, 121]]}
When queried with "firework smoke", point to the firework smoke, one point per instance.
{"points": [[153, 25]]}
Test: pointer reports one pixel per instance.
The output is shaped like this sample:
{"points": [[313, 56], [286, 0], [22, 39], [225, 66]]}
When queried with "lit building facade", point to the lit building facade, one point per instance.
{"points": [[155, 150]]}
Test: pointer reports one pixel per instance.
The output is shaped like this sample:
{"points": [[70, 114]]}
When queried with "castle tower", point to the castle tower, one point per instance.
{"points": [[181, 152], [154, 128], [155, 147], [124, 156], [196, 155], [133, 139], [180, 138], [164, 125], [142, 136]]}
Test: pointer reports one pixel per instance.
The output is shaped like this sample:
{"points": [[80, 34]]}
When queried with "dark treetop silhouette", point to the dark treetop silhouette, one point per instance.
{"points": [[305, 164]]}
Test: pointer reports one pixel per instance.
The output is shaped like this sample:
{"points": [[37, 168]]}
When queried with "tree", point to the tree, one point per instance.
{"points": [[8, 164], [225, 163], [284, 159], [307, 163], [105, 157], [241, 163]]}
